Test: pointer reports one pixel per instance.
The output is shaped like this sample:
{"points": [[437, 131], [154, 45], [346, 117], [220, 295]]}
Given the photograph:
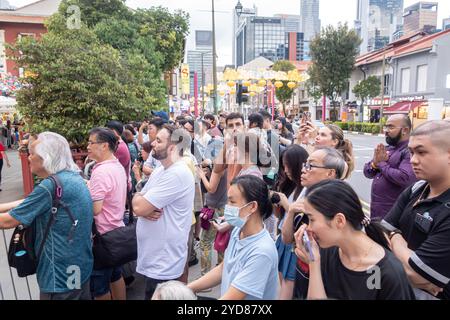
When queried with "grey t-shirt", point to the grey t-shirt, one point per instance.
{"points": [[218, 199]]}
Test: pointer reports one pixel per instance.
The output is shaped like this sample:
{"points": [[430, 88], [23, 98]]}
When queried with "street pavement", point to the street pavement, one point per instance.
{"points": [[12, 287]]}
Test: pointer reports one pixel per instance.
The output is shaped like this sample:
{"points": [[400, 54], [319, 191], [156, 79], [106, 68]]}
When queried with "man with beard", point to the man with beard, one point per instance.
{"points": [[390, 167], [164, 208]]}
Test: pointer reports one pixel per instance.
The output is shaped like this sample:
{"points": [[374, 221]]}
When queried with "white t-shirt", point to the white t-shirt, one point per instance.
{"points": [[162, 244]]}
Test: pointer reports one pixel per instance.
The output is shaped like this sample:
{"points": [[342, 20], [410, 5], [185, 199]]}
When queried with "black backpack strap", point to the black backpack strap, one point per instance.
{"points": [[56, 196], [57, 202]]}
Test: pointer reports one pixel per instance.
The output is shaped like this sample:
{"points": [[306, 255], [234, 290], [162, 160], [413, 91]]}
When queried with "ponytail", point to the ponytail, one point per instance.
{"points": [[346, 148], [377, 233], [331, 197]]}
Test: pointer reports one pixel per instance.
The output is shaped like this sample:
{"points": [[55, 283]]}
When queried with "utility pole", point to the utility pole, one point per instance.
{"points": [[203, 88], [382, 90], [214, 59]]}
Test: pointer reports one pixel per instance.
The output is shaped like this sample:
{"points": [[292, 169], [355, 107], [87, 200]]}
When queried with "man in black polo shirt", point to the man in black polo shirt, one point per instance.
{"points": [[419, 222]]}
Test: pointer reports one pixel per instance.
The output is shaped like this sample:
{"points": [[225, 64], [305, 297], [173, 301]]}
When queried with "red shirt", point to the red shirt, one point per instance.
{"points": [[2, 148]]}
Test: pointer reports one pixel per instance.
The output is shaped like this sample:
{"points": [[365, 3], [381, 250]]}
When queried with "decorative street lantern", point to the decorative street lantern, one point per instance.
{"points": [[262, 83], [278, 84], [231, 83], [291, 85], [246, 83]]}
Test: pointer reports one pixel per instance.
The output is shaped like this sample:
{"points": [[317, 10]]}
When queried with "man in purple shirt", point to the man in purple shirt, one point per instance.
{"points": [[390, 167]]}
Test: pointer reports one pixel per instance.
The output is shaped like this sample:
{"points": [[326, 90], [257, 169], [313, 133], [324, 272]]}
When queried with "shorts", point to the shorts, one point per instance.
{"points": [[101, 280], [286, 259]]}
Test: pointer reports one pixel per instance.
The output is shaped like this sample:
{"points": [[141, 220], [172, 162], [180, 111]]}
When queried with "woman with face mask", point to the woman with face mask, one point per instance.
{"points": [[249, 269], [347, 253]]}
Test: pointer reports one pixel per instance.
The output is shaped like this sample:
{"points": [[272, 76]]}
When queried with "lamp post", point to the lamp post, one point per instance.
{"points": [[214, 59]]}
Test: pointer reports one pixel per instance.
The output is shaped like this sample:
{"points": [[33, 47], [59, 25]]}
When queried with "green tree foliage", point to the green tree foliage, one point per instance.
{"points": [[369, 88], [284, 94], [109, 68], [333, 53]]}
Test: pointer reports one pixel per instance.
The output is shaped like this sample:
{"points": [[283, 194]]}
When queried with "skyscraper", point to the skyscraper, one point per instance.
{"points": [[421, 16], [266, 37], [309, 18], [377, 21], [238, 19]]}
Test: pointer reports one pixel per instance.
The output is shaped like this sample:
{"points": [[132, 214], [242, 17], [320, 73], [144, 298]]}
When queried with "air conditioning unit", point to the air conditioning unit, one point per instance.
{"points": [[434, 48]]}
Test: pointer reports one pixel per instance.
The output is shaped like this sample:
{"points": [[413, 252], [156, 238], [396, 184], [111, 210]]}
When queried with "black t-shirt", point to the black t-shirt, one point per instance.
{"points": [[425, 226], [385, 281]]}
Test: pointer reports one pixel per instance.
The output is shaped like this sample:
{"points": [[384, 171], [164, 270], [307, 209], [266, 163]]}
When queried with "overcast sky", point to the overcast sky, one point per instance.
{"points": [[331, 12]]}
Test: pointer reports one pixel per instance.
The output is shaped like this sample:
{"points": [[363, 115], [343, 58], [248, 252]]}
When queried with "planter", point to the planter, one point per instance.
{"points": [[27, 176]]}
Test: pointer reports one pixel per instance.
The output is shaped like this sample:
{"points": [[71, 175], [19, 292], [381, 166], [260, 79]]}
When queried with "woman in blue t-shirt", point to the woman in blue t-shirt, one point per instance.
{"points": [[354, 260], [249, 270]]}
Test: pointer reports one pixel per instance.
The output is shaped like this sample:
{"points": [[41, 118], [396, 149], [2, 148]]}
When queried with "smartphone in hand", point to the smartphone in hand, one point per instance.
{"points": [[308, 247]]}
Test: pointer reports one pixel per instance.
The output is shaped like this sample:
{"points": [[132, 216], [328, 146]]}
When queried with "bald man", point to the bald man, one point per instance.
{"points": [[419, 222], [390, 169]]}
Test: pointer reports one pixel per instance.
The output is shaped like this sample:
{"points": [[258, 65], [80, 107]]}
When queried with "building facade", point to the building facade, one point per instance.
{"points": [[446, 24], [416, 72], [309, 18], [377, 21], [421, 16], [26, 21], [238, 19], [268, 37]]}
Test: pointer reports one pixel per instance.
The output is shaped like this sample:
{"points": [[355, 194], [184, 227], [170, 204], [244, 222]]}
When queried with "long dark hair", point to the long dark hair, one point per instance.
{"points": [[294, 156], [253, 189], [331, 197]]}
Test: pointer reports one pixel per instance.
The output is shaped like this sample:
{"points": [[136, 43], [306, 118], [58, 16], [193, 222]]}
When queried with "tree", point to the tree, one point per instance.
{"points": [[168, 30], [74, 84], [109, 67], [284, 94], [333, 53], [368, 88]]}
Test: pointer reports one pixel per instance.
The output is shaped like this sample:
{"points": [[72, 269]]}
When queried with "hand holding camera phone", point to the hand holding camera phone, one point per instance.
{"points": [[308, 246]]}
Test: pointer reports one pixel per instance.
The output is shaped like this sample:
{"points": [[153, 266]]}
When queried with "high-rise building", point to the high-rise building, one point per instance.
{"points": [[446, 24], [421, 16], [194, 60], [377, 21], [238, 19], [268, 37], [309, 18]]}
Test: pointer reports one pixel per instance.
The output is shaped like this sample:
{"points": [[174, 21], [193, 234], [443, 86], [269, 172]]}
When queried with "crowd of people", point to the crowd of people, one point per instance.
{"points": [[268, 195]]}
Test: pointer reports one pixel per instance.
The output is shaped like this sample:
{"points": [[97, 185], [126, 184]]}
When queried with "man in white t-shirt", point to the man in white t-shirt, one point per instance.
{"points": [[164, 208]]}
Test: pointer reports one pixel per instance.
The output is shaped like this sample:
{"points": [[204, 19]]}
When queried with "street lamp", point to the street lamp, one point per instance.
{"points": [[214, 59], [238, 8]]}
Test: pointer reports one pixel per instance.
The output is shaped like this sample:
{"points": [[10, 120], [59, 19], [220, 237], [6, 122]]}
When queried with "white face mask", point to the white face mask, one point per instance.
{"points": [[231, 214]]}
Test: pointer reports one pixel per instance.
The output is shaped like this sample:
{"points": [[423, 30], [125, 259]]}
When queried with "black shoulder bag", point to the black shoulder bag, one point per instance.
{"points": [[21, 253], [116, 247]]}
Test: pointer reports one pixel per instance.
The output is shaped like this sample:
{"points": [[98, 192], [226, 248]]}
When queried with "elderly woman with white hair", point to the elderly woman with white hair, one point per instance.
{"points": [[173, 290], [66, 260]]}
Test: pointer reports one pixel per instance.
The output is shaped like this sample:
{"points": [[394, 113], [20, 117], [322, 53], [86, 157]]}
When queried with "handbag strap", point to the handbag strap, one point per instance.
{"points": [[56, 198]]}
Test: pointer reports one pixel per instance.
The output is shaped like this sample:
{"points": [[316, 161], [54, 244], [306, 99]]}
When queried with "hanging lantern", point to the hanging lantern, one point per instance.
{"points": [[233, 91], [231, 84], [246, 83], [221, 93], [262, 83], [278, 84], [252, 94], [291, 85]]}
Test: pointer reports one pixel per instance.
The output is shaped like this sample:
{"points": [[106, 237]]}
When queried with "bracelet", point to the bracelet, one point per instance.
{"points": [[393, 233], [374, 167]]}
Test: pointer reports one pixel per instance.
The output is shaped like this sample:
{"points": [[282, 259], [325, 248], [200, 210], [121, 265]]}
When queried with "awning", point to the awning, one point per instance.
{"points": [[403, 107]]}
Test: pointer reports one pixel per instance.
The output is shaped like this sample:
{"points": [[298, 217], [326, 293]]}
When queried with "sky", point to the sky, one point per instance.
{"points": [[331, 12]]}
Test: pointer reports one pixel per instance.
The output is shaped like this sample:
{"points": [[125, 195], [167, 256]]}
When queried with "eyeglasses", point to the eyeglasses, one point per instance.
{"points": [[390, 128], [308, 166], [94, 142]]}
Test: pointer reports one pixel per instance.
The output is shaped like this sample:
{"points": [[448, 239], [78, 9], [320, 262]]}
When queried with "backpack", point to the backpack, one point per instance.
{"points": [[21, 254]]}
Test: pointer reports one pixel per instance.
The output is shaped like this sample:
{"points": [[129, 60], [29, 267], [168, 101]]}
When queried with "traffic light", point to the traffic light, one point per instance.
{"points": [[241, 94]]}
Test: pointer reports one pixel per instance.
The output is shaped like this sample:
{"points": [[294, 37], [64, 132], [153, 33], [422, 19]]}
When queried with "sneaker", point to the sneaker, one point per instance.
{"points": [[193, 262], [196, 244]]}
